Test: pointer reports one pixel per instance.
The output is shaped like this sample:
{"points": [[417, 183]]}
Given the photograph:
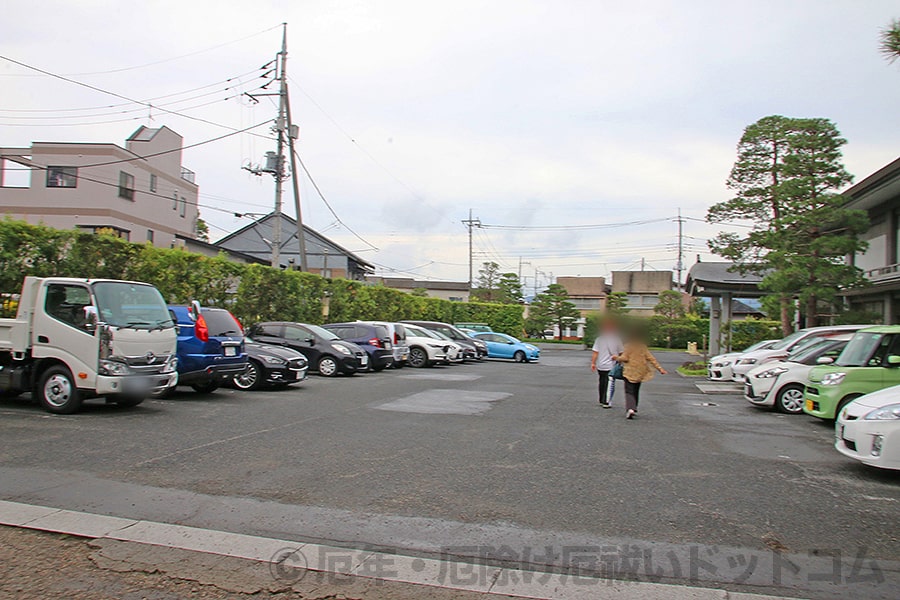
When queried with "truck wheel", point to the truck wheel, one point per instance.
{"points": [[57, 392], [128, 401], [205, 388]]}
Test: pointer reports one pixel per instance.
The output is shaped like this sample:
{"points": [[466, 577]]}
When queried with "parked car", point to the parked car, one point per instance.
{"points": [[327, 353], [783, 348], [475, 327], [868, 429], [501, 345], [720, 366], [397, 333], [425, 350], [210, 347], [472, 348], [781, 384], [269, 365], [455, 352], [870, 362], [374, 339]]}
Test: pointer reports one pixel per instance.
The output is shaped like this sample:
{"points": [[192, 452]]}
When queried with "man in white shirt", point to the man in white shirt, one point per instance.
{"points": [[607, 345]]}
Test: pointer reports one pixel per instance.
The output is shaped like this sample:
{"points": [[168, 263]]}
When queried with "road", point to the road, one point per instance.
{"points": [[509, 463]]}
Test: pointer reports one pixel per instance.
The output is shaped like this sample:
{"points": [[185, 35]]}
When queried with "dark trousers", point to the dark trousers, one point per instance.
{"points": [[603, 386], [632, 394]]}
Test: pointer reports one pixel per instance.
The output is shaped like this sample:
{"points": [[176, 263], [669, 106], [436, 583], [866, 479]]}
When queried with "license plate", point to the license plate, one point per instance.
{"points": [[230, 351], [364, 360], [809, 405]]}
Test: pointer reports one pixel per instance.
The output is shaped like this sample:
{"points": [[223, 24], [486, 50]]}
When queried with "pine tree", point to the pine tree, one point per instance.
{"points": [[553, 306]]}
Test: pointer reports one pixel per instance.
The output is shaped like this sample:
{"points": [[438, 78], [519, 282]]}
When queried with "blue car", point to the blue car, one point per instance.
{"points": [[500, 345], [210, 347]]}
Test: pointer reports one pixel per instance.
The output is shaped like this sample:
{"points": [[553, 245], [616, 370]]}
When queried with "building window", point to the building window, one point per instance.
{"points": [[152, 182], [62, 177], [126, 185], [175, 200], [150, 235], [182, 209]]}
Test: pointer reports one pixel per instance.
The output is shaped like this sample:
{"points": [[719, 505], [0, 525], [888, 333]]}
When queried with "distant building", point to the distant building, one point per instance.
{"points": [[642, 289], [456, 291], [323, 256], [588, 294], [140, 192], [879, 195]]}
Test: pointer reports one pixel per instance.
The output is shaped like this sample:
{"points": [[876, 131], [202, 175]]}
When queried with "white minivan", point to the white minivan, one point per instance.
{"points": [[398, 336]]}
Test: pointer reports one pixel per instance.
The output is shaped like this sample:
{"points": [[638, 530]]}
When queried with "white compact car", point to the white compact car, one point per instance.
{"points": [[425, 349], [719, 366], [785, 347], [781, 384], [868, 429]]}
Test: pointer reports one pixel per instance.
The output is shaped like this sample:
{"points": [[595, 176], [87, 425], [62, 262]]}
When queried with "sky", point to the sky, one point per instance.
{"points": [[541, 117]]}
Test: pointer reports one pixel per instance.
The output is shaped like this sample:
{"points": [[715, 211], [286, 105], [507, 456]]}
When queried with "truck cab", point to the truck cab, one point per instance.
{"points": [[74, 339]]}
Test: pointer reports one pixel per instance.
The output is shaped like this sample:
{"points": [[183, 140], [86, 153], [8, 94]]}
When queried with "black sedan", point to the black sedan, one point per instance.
{"points": [[268, 365]]}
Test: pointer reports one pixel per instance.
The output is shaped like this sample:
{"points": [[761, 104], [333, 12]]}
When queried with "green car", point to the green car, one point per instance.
{"points": [[870, 362]]}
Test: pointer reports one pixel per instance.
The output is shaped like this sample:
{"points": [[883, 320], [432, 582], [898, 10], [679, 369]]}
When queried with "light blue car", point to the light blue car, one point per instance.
{"points": [[500, 345]]}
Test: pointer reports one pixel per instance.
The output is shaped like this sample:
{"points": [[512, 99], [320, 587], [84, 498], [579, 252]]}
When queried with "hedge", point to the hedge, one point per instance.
{"points": [[252, 292]]}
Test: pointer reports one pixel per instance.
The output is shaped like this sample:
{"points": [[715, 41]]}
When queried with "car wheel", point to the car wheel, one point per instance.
{"points": [[205, 388], [418, 358], [844, 402], [57, 392], [790, 399], [129, 401], [520, 357], [250, 379], [328, 366]]}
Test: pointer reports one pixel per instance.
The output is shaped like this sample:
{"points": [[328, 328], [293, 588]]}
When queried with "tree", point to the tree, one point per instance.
{"points": [[202, 230], [785, 181], [616, 303], [509, 289], [890, 41], [554, 306], [486, 285], [670, 305]]}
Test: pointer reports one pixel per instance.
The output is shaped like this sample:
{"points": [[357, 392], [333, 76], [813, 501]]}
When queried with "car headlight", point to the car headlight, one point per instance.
{"points": [[833, 378], [769, 373], [747, 361], [274, 360], [113, 367], [343, 350], [724, 363], [891, 412]]}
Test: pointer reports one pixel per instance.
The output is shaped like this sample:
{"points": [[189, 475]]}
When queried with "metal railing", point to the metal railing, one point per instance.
{"points": [[884, 273], [188, 175]]}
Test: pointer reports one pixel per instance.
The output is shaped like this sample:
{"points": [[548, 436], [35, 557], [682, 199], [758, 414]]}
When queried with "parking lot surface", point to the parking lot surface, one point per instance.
{"points": [[496, 461]]}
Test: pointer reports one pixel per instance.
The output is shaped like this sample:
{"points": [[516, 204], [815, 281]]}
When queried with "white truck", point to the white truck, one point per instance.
{"points": [[74, 339]]}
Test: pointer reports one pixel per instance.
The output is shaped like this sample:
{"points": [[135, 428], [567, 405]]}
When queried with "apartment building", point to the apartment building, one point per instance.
{"points": [[141, 192], [642, 289]]}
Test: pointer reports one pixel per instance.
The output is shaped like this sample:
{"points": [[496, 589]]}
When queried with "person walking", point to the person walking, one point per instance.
{"points": [[607, 345], [637, 367]]}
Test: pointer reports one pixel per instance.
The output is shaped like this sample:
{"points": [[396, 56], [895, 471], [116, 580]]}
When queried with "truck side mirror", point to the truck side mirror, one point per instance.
{"points": [[90, 318], [194, 310]]}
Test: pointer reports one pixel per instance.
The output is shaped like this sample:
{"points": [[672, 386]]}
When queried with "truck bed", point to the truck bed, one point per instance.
{"points": [[14, 335]]}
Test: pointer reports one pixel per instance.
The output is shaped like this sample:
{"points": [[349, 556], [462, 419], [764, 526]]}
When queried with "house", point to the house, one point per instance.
{"points": [[456, 291], [323, 256], [141, 192], [878, 195], [588, 294], [642, 289]]}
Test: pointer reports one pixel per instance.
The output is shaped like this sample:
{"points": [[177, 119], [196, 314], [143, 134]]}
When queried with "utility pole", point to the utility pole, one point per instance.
{"points": [[279, 150], [679, 266], [643, 263], [521, 262], [470, 223], [293, 133]]}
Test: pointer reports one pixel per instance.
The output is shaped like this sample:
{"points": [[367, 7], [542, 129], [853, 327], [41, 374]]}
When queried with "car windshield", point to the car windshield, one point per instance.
{"points": [[449, 332], [322, 333], [859, 350], [784, 343], [421, 332], [809, 353], [134, 305], [756, 346]]}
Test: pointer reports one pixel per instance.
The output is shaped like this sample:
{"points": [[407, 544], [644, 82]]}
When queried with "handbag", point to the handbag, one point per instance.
{"points": [[618, 372]]}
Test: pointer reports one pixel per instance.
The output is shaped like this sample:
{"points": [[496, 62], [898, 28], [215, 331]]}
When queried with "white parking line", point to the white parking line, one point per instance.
{"points": [[291, 559]]}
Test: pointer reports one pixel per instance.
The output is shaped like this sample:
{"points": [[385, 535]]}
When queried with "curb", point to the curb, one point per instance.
{"points": [[289, 561]]}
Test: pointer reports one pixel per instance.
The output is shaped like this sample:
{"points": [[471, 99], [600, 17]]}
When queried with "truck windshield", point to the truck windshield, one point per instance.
{"points": [[865, 349], [135, 305]]}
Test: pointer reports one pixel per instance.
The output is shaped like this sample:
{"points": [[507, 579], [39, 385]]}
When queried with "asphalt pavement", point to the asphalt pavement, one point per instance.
{"points": [[496, 462]]}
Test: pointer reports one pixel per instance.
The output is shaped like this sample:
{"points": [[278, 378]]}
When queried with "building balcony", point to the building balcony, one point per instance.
{"points": [[884, 274], [188, 175]]}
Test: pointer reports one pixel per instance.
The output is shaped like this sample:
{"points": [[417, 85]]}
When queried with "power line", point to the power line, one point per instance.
{"points": [[162, 61], [576, 227], [117, 95]]}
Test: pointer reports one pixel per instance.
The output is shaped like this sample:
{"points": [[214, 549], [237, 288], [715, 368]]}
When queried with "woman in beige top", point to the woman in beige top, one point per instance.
{"points": [[637, 367]]}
